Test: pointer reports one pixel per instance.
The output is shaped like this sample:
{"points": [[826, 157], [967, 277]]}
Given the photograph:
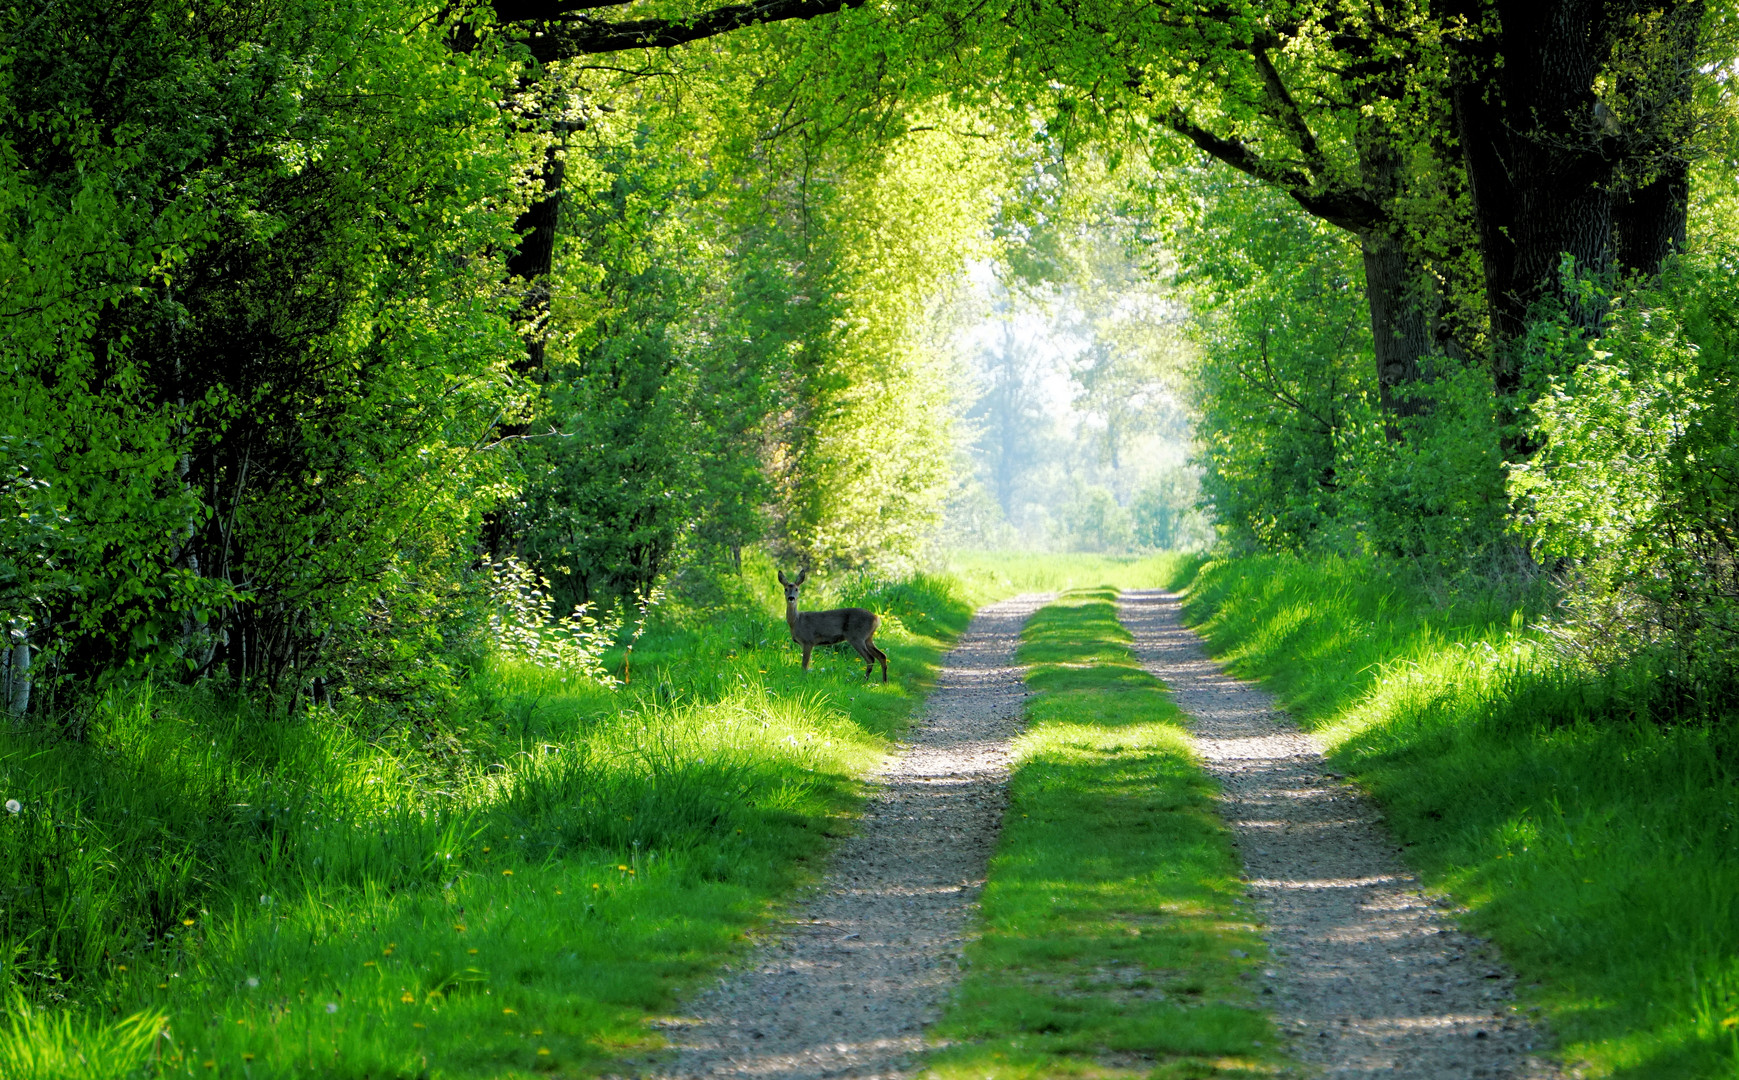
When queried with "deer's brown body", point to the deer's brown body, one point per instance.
{"points": [[854, 624]]}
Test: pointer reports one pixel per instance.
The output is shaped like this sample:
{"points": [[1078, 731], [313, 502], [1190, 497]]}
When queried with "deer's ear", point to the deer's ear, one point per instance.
{"points": [[782, 580], [802, 576]]}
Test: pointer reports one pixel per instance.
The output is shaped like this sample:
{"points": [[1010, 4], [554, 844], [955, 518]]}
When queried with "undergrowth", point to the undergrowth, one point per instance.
{"points": [[1593, 835], [513, 886], [1115, 937]]}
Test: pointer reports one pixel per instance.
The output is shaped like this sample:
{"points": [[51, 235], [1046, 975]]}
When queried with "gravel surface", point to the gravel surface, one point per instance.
{"points": [[1370, 977], [845, 985]]}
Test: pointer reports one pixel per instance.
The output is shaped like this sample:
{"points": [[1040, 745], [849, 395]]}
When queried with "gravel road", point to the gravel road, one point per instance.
{"points": [[1369, 976], [844, 986]]}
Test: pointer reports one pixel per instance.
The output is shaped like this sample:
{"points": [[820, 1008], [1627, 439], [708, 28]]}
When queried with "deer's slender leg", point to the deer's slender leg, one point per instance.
{"points": [[806, 651]]}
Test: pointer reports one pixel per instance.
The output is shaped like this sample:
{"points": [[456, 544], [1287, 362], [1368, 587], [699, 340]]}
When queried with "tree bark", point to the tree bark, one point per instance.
{"points": [[1538, 165]]}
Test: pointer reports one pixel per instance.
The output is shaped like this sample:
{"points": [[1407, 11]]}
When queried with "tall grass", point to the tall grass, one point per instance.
{"points": [[515, 884], [1596, 839]]}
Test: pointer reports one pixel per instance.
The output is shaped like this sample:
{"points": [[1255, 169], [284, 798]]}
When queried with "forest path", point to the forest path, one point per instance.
{"points": [[1370, 977], [846, 983]]}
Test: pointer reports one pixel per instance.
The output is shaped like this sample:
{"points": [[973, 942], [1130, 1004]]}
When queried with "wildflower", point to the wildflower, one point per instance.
{"points": [[537, 1031], [595, 885], [253, 981], [459, 927], [507, 873], [416, 1025], [506, 1012], [248, 1057], [120, 967], [186, 922], [331, 1007], [210, 1064], [621, 867], [407, 998], [368, 963], [486, 849], [473, 952], [13, 806], [543, 1051]]}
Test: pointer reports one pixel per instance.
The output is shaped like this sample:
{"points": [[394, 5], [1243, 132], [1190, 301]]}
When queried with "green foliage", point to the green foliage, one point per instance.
{"points": [[1593, 844], [1636, 485], [1285, 360], [255, 331], [1111, 919]]}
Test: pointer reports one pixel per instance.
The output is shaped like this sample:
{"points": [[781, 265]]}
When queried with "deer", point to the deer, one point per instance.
{"points": [[811, 628]]}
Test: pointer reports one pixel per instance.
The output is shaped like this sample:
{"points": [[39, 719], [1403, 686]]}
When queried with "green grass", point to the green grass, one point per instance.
{"points": [[992, 575], [512, 888], [1597, 845], [1115, 941]]}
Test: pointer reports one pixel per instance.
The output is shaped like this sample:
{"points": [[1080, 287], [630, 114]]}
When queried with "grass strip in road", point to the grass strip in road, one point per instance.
{"points": [[1596, 843], [1117, 941]]}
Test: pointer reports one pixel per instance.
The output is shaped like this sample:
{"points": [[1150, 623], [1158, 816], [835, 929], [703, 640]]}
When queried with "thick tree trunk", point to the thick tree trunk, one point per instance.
{"points": [[1396, 285], [1400, 324], [1539, 170], [1650, 221]]}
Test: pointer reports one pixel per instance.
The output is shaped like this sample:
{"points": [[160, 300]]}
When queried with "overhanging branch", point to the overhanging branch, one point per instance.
{"points": [[565, 30], [1346, 208]]}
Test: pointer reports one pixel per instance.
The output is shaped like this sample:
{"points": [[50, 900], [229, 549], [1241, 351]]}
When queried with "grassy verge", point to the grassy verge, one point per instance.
{"points": [[509, 889], [1115, 942], [1598, 847], [992, 575]]}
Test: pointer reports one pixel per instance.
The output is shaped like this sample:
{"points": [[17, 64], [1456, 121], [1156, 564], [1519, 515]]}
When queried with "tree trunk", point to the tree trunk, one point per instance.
{"points": [[1538, 167], [1650, 221], [1396, 285], [16, 683]]}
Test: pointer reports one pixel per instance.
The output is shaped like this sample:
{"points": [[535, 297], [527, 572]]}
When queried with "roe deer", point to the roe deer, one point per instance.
{"points": [[854, 624]]}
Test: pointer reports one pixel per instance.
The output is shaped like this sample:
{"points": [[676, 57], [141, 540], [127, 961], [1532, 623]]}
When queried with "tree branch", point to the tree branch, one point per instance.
{"points": [[1348, 209], [565, 32]]}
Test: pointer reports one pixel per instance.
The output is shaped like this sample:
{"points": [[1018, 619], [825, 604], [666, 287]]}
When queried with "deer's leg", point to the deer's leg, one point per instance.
{"points": [[875, 653], [806, 651], [867, 652]]}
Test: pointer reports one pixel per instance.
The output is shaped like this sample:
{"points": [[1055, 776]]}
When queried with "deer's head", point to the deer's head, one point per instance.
{"points": [[791, 587]]}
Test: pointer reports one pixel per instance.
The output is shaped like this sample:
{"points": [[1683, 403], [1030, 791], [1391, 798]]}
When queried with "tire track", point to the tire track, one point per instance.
{"points": [[1370, 977], [844, 986]]}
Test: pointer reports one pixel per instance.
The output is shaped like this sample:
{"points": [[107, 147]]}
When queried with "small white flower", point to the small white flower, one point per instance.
{"points": [[265, 900], [253, 981], [332, 1006], [13, 806]]}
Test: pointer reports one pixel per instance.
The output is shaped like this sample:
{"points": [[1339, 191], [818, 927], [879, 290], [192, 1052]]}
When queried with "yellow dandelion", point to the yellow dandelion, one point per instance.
{"points": [[186, 922], [507, 1012], [418, 1025], [368, 963], [621, 867], [595, 885], [120, 967], [1730, 1023], [459, 927], [507, 873], [208, 1063], [543, 1051], [485, 849], [558, 892], [407, 998], [537, 1031], [162, 986], [241, 1023], [247, 1057], [473, 952]]}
